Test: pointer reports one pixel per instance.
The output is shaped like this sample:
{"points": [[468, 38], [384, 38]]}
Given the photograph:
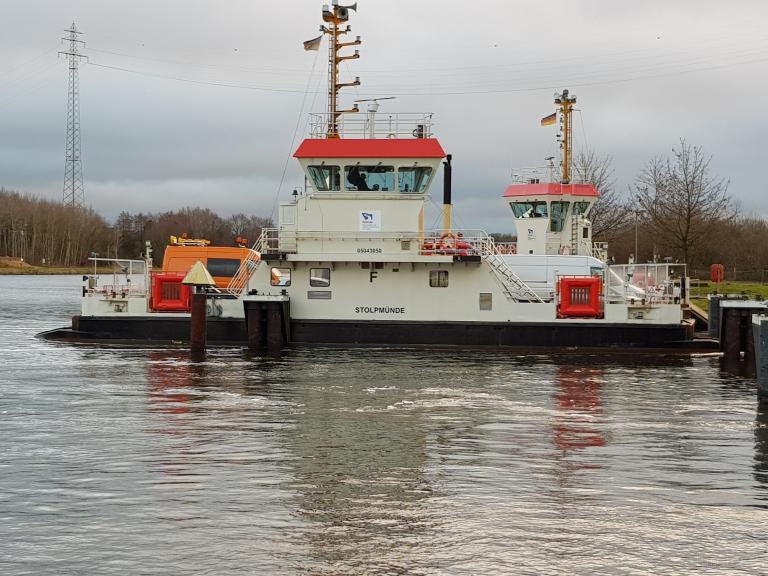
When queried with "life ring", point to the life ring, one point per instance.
{"points": [[447, 241]]}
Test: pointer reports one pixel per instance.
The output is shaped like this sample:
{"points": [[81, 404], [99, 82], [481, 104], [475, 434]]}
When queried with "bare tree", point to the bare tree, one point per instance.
{"points": [[682, 201], [610, 213]]}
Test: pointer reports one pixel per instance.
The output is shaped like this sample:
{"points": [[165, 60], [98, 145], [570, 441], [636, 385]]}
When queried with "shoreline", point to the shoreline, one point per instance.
{"points": [[53, 271]]}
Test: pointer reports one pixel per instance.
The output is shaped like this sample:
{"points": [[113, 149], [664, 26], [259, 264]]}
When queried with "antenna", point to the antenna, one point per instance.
{"points": [[566, 102], [373, 107], [74, 192], [335, 15]]}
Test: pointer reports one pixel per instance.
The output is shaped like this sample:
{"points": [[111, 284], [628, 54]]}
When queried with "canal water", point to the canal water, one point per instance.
{"points": [[134, 460]]}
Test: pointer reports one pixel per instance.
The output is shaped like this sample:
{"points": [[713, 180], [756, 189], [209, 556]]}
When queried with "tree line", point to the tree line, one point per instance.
{"points": [[675, 209], [47, 233]]}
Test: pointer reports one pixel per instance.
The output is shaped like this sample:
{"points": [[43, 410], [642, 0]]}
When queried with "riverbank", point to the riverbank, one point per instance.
{"points": [[16, 266]]}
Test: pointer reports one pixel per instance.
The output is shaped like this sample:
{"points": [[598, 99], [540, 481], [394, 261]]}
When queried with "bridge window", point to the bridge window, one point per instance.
{"points": [[529, 209], [370, 178], [414, 180], [580, 207], [559, 212], [320, 277], [325, 178]]}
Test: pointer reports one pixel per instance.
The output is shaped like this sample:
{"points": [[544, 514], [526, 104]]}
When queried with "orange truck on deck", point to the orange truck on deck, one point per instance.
{"points": [[221, 261]]}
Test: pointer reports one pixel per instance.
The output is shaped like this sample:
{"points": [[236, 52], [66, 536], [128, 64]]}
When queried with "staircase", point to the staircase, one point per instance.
{"points": [[248, 266], [514, 288]]}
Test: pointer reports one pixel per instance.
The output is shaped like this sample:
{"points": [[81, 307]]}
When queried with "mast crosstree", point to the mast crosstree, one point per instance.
{"points": [[335, 16]]}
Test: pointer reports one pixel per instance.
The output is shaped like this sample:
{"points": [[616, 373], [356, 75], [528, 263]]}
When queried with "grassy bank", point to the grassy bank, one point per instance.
{"points": [[14, 267], [700, 290]]}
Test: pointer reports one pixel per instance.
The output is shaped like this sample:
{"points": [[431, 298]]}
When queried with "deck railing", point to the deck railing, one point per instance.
{"points": [[465, 242], [128, 277], [400, 125], [645, 283]]}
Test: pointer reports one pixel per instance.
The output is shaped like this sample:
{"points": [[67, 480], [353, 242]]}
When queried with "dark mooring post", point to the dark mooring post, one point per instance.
{"points": [[730, 339], [760, 339], [199, 279], [254, 322], [199, 325], [274, 327], [714, 315]]}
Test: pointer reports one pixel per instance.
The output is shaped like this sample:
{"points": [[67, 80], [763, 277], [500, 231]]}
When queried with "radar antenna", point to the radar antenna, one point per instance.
{"points": [[373, 107]]}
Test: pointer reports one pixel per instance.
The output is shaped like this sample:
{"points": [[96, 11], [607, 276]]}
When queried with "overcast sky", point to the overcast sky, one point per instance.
{"points": [[195, 102]]}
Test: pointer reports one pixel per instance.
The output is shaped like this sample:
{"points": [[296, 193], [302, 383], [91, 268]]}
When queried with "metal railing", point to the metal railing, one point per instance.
{"points": [[644, 283], [400, 125], [129, 278], [535, 175], [248, 265]]}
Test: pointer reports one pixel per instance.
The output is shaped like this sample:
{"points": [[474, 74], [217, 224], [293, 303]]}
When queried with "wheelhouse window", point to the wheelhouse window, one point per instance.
{"points": [[529, 209], [281, 277], [223, 266], [320, 277], [580, 207], [438, 278], [325, 178], [370, 178], [414, 180], [559, 212]]}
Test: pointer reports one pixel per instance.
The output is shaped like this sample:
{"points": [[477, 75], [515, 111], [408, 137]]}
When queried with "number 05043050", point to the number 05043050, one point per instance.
{"points": [[369, 250]]}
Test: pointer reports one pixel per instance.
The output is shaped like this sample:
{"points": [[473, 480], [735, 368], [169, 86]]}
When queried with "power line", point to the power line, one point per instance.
{"points": [[541, 83], [193, 81]]}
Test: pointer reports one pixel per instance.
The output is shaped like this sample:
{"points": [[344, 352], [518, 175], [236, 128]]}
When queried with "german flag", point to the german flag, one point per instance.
{"points": [[549, 120]]}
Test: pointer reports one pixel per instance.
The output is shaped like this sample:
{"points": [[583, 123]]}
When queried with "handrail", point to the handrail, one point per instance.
{"points": [[248, 265], [397, 125], [128, 268]]}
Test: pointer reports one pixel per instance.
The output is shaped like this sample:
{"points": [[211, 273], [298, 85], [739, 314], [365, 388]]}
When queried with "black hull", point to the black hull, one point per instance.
{"points": [[480, 334]]}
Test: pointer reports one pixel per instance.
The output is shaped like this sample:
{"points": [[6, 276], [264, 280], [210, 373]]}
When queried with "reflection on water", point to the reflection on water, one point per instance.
{"points": [[761, 451], [579, 399], [371, 461]]}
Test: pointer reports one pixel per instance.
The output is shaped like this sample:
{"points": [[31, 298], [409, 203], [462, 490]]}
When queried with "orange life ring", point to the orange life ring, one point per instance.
{"points": [[447, 241]]}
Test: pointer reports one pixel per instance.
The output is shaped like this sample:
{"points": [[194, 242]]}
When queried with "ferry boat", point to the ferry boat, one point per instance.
{"points": [[351, 262]]}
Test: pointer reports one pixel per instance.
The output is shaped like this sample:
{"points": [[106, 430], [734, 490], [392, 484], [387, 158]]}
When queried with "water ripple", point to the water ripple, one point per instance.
{"points": [[135, 460]]}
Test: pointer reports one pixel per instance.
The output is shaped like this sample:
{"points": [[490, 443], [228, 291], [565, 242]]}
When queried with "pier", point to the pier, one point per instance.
{"points": [[741, 327]]}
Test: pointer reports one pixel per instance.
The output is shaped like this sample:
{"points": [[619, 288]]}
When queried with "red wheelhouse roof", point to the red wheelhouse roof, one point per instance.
{"points": [[551, 189], [370, 148]]}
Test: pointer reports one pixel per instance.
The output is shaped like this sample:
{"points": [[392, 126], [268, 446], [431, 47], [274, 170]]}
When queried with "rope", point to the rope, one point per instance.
{"points": [[293, 139]]}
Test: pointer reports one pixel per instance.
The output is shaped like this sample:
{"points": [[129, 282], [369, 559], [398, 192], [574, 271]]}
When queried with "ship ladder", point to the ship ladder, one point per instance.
{"points": [[247, 267], [514, 288], [575, 234]]}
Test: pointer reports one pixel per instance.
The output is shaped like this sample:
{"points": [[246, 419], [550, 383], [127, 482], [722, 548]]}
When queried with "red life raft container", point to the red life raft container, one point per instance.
{"points": [[579, 297], [169, 294]]}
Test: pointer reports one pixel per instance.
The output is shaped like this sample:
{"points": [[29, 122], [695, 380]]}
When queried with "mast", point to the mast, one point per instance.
{"points": [[566, 102], [334, 16]]}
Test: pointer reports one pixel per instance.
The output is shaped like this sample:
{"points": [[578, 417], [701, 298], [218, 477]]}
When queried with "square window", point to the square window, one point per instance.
{"points": [[486, 301], [320, 277], [281, 277], [438, 278]]}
